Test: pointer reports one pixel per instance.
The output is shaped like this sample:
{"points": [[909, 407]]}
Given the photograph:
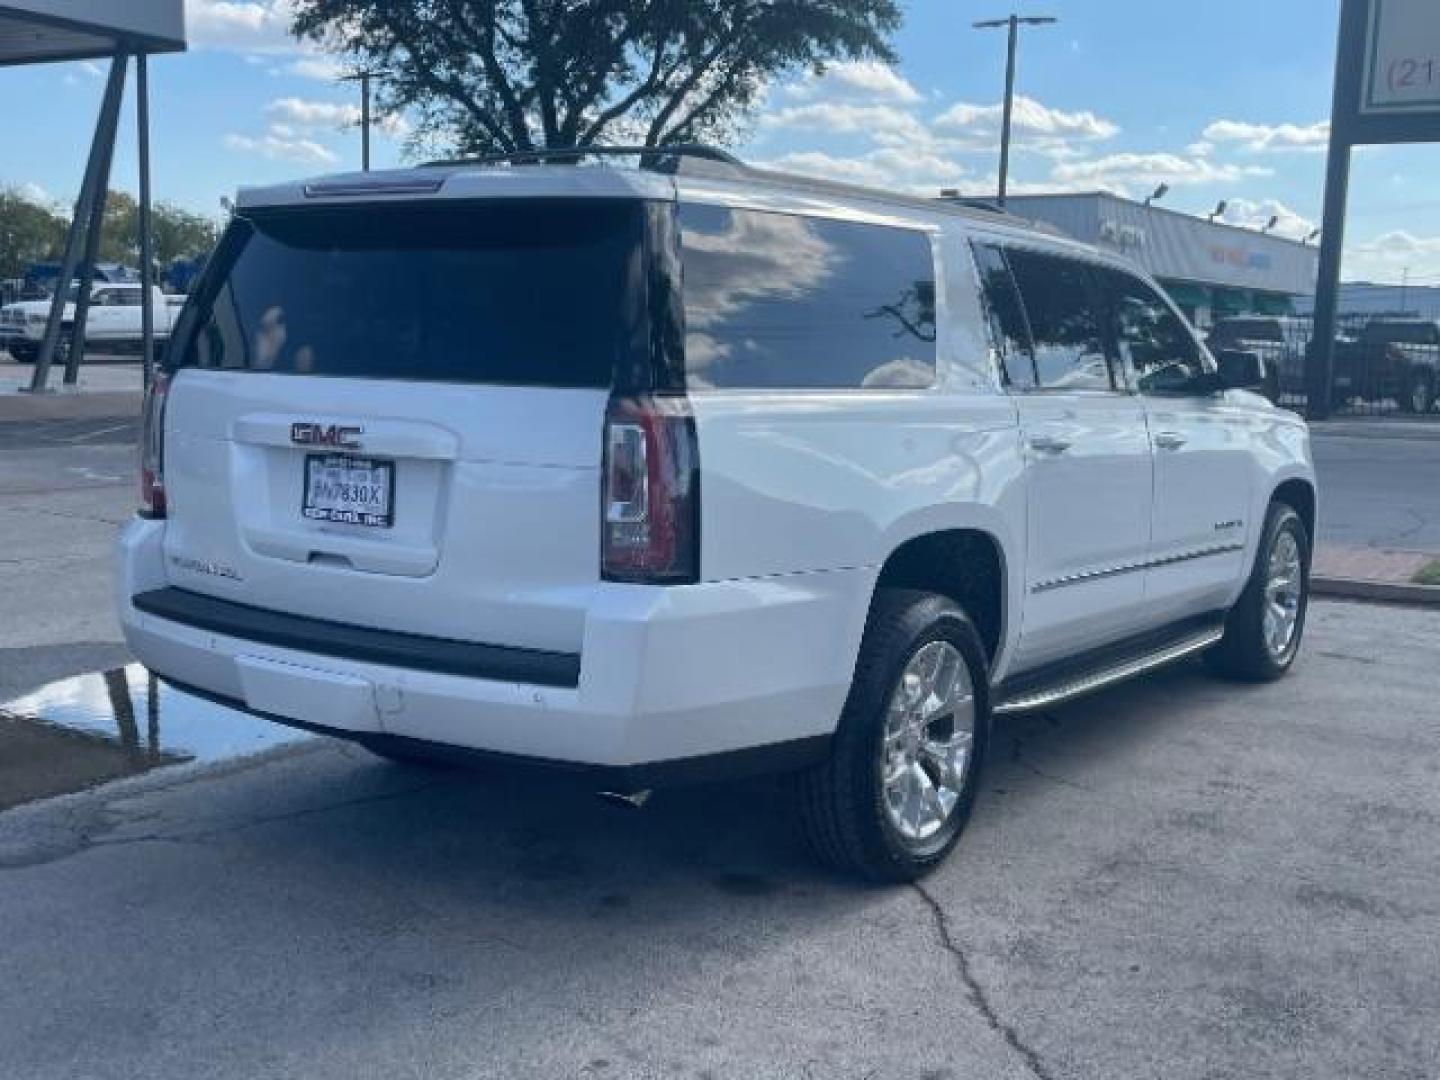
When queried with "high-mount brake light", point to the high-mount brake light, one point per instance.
{"points": [[651, 499]]}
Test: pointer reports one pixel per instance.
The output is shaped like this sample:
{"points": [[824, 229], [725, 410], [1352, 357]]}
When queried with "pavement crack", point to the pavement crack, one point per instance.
{"points": [[976, 993]]}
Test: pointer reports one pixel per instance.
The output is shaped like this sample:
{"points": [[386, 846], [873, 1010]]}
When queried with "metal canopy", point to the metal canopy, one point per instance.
{"points": [[44, 31]]}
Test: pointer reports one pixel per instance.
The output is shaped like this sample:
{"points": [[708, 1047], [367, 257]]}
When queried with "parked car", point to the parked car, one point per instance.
{"points": [[1280, 342], [1397, 359], [697, 470], [113, 323]]}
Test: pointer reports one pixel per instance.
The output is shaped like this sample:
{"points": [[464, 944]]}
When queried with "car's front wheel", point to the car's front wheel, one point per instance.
{"points": [[893, 797], [1264, 628]]}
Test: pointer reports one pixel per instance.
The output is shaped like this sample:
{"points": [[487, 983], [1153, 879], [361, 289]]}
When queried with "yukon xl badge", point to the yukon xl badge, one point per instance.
{"points": [[309, 434]]}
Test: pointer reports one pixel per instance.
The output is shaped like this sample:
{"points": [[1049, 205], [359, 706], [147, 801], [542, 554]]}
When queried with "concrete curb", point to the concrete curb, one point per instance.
{"points": [[1383, 592], [86, 405]]}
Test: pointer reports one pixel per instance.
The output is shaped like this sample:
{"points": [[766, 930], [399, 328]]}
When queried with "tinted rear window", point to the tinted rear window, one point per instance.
{"points": [[1249, 330], [527, 292], [780, 300], [1402, 333]]}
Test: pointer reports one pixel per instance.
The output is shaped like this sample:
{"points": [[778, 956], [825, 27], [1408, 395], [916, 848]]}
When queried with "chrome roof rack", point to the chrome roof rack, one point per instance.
{"points": [[670, 159]]}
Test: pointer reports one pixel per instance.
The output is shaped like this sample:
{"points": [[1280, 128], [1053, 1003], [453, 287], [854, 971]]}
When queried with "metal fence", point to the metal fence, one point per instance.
{"points": [[1384, 366]]}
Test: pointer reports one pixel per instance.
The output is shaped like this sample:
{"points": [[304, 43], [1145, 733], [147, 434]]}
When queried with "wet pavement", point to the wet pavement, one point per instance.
{"points": [[78, 732], [1179, 878]]}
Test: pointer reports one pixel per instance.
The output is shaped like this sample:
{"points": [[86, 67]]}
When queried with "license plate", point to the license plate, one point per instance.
{"points": [[351, 490]]}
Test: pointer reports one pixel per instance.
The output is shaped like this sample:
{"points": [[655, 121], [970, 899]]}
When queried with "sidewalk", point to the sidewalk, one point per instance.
{"points": [[105, 390], [1372, 574]]}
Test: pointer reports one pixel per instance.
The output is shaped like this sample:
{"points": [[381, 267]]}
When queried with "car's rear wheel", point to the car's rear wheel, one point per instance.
{"points": [[1264, 628], [897, 790]]}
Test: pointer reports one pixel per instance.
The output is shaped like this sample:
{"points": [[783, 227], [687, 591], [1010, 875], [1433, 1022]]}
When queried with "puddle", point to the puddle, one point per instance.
{"points": [[79, 732]]}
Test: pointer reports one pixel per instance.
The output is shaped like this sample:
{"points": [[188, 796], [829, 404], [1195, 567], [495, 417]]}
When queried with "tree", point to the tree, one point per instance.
{"points": [[176, 232], [29, 232], [32, 232], [488, 76]]}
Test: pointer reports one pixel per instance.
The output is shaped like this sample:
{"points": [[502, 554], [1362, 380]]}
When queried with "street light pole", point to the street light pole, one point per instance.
{"points": [[1012, 24], [364, 77]]}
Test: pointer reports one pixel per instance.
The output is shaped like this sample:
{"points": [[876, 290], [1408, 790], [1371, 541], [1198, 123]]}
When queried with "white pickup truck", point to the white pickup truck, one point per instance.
{"points": [[113, 323]]}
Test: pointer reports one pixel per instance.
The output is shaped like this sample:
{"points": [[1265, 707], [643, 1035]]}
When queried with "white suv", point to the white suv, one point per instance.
{"points": [[689, 470]]}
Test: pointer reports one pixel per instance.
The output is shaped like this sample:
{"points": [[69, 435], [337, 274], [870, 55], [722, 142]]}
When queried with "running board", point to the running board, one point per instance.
{"points": [[1035, 695]]}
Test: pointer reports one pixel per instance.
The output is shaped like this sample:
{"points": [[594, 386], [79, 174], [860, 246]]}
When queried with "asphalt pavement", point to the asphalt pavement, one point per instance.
{"points": [[1180, 878], [1379, 484]]}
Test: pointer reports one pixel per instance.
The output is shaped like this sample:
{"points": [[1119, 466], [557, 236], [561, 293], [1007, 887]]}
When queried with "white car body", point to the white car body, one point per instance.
{"points": [[1111, 515], [114, 319]]}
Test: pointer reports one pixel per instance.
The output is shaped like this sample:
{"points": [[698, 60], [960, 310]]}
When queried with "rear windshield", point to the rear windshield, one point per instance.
{"points": [[1402, 333], [1249, 330], [528, 292]]}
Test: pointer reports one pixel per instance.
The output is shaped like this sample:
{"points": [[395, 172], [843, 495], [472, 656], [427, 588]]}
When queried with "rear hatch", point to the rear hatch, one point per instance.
{"points": [[392, 415]]}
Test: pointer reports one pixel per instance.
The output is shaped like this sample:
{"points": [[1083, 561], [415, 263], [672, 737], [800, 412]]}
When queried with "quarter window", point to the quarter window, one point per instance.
{"points": [[1065, 323], [781, 300]]}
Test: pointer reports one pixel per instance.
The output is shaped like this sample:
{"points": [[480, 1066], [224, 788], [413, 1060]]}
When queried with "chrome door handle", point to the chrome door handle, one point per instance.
{"points": [[1170, 440], [1049, 444]]}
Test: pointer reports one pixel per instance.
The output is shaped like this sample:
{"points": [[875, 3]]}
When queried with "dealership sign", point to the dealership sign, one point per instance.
{"points": [[1402, 57]]}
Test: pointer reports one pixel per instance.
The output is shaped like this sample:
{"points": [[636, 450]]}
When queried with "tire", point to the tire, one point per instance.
{"points": [[1246, 652], [1418, 393], [845, 806]]}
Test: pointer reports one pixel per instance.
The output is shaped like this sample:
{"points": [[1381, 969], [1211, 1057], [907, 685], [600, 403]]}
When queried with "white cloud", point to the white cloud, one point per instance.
{"points": [[248, 25], [888, 167], [1031, 122], [1394, 256], [282, 143], [880, 122], [867, 78], [1262, 138], [318, 67], [305, 113], [1253, 214], [1129, 173]]}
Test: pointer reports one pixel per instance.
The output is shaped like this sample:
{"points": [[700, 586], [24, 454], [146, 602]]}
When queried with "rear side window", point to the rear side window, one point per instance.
{"points": [[784, 301], [1066, 324], [527, 292]]}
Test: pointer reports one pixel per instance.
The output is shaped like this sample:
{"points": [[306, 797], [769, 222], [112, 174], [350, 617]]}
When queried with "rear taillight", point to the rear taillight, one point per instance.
{"points": [[651, 498], [152, 448]]}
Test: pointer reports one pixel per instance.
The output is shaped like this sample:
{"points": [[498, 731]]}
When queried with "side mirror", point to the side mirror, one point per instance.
{"points": [[1240, 370]]}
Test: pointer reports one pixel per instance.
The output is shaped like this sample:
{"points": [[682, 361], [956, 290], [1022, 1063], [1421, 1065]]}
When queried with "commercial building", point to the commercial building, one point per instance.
{"points": [[1211, 270]]}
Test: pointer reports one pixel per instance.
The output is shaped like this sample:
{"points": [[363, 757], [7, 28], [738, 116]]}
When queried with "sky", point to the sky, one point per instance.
{"points": [[1225, 100]]}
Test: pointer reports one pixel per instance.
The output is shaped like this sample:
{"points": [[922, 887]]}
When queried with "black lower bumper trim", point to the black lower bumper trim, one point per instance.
{"points": [[783, 757], [417, 652]]}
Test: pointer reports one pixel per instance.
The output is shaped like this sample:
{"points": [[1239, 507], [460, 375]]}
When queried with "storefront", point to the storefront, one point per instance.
{"points": [[1211, 270]]}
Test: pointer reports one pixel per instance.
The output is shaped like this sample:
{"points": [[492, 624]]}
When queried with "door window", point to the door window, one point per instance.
{"points": [[1007, 318], [1065, 323], [1151, 340]]}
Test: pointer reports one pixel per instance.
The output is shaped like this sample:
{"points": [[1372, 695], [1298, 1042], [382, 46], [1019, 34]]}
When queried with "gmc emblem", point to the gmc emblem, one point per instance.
{"points": [[306, 434]]}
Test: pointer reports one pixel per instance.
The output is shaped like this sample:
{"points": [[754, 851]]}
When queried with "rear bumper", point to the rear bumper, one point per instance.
{"points": [[672, 682]]}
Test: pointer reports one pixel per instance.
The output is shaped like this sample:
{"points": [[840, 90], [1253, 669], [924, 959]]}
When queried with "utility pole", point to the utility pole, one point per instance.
{"points": [[1012, 23], [364, 77], [1405, 290]]}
